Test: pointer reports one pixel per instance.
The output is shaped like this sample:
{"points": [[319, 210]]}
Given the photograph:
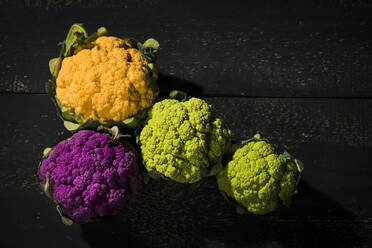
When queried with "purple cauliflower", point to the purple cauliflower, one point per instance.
{"points": [[90, 175]]}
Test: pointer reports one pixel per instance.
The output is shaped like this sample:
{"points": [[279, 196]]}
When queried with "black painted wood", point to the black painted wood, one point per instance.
{"points": [[333, 209], [295, 48]]}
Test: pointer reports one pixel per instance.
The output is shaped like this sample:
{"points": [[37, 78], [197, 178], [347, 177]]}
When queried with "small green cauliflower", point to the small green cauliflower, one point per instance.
{"points": [[183, 140], [258, 178]]}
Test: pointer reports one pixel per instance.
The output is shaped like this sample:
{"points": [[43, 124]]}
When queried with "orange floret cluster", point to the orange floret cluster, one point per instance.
{"points": [[105, 80]]}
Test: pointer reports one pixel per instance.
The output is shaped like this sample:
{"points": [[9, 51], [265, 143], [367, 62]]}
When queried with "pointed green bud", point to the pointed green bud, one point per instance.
{"points": [[102, 31], [65, 220], [46, 152]]}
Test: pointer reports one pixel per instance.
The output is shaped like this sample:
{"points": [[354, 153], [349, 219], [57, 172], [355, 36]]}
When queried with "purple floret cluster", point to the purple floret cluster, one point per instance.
{"points": [[91, 175]]}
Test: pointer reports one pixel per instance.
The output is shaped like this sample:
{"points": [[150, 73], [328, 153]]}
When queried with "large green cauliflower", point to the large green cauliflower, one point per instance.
{"points": [[182, 140], [258, 178]]}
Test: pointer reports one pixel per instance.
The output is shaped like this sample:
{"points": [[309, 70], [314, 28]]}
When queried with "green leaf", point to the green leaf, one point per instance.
{"points": [[298, 163], [286, 155], [257, 136], [114, 131], [55, 66], [154, 70], [70, 116], [65, 220], [47, 189], [135, 121], [100, 32], [70, 126], [236, 145], [131, 122], [178, 95], [150, 49], [132, 43], [137, 137], [151, 44], [46, 152], [75, 35], [90, 124], [52, 65], [50, 88], [59, 210], [300, 167]]}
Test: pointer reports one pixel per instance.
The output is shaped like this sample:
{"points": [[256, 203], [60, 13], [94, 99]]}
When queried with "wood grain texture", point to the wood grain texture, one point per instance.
{"points": [[298, 72], [243, 48], [318, 4], [331, 137]]}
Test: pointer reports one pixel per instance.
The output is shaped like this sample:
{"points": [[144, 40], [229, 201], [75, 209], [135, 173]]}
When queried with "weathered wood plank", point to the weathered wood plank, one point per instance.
{"points": [[331, 136], [239, 49]]}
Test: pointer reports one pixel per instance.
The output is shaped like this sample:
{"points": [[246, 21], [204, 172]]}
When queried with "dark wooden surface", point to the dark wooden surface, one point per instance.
{"points": [[298, 72], [287, 49]]}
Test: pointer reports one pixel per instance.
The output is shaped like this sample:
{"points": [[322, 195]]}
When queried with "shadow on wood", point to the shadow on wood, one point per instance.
{"points": [[168, 214], [107, 231], [168, 83], [303, 225]]}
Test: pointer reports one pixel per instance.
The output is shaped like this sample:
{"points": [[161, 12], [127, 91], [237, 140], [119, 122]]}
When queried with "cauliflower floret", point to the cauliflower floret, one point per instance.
{"points": [[182, 138], [105, 80], [258, 178]]}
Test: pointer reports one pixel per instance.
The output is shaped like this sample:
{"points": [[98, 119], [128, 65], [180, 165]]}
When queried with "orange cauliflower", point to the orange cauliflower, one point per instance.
{"points": [[105, 81]]}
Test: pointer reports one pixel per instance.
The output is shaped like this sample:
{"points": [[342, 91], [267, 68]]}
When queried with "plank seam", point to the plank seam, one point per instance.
{"points": [[232, 96]]}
